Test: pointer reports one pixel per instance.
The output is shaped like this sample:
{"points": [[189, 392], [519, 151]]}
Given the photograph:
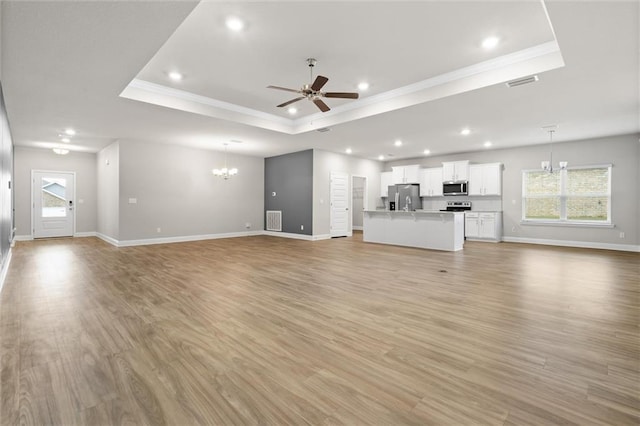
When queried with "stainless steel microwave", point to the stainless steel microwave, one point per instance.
{"points": [[454, 188]]}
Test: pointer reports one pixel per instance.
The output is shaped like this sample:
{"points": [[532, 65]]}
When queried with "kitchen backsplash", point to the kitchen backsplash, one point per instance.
{"points": [[492, 204]]}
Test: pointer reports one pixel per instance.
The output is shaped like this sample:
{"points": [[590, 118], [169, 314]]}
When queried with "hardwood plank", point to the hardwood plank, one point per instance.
{"points": [[264, 330]]}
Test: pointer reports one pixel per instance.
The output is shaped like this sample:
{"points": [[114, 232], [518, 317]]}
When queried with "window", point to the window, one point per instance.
{"points": [[575, 195]]}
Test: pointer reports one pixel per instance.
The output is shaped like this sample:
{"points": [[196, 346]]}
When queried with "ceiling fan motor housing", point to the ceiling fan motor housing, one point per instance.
{"points": [[311, 90]]}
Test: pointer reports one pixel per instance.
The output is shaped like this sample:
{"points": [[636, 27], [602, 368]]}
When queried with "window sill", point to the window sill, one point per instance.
{"points": [[567, 224]]}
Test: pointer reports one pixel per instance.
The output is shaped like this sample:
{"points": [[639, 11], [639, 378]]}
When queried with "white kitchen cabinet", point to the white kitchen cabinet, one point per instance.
{"points": [[386, 179], [431, 182], [455, 171], [483, 226], [485, 179], [406, 174]]}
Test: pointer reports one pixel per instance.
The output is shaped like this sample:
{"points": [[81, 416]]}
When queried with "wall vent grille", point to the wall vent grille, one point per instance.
{"points": [[521, 81], [274, 220]]}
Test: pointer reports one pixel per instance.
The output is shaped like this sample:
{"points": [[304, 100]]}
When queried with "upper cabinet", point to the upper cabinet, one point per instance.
{"points": [[406, 174], [386, 179], [485, 179], [455, 171], [431, 182]]}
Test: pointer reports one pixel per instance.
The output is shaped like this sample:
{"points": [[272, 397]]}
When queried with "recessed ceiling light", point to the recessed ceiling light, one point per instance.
{"points": [[348, 151], [292, 110], [175, 76], [380, 157], [65, 140], [490, 42], [398, 143], [487, 144], [363, 86], [465, 132], [234, 24], [427, 152], [70, 132], [61, 151]]}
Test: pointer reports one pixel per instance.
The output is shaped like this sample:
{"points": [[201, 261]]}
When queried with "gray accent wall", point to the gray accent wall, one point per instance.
{"points": [[177, 193], [290, 176], [325, 162], [83, 164], [108, 191], [6, 185], [621, 151]]}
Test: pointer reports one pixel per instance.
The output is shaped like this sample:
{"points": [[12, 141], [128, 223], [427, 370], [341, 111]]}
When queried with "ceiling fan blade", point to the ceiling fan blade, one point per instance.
{"points": [[319, 82], [284, 88], [323, 107], [290, 102], [345, 95]]}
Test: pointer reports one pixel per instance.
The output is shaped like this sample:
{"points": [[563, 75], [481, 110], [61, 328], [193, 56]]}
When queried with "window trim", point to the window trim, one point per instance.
{"points": [[563, 221]]}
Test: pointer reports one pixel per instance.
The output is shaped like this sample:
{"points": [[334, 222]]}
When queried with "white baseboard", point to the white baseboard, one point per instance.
{"points": [[85, 234], [107, 239], [580, 244], [297, 236], [288, 235], [169, 240], [357, 228], [4, 270], [187, 238]]}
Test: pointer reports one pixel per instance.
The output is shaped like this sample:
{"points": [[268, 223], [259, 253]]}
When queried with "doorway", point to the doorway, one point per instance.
{"points": [[53, 195], [358, 201], [339, 204]]}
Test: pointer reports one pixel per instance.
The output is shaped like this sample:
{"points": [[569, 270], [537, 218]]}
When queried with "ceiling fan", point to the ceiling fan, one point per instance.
{"points": [[312, 91]]}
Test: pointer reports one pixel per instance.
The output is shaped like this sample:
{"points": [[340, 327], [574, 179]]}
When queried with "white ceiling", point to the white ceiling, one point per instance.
{"points": [[65, 64]]}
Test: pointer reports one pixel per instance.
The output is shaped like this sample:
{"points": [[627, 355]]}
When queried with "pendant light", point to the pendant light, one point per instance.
{"points": [[547, 166], [225, 172]]}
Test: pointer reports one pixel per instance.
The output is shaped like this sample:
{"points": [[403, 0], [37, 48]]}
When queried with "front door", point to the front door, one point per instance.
{"points": [[53, 204], [339, 204]]}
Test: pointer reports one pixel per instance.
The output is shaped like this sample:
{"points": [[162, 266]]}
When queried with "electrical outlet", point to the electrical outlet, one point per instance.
{"points": [[622, 235], [302, 227], [158, 230], [247, 225], [513, 229]]}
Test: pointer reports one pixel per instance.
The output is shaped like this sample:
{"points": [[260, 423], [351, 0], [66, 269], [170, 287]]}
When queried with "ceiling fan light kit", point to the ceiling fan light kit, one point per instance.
{"points": [[312, 90]]}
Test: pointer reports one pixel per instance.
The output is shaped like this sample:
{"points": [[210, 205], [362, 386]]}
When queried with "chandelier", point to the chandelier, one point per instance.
{"points": [[225, 172], [547, 166]]}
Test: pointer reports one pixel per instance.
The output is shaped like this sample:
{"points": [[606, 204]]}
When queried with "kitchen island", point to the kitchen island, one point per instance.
{"points": [[422, 228]]}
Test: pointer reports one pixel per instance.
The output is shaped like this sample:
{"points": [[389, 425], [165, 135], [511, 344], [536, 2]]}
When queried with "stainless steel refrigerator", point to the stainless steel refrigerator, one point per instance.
{"points": [[405, 196]]}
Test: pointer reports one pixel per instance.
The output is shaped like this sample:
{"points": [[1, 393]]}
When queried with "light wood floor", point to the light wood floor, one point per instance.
{"points": [[265, 330]]}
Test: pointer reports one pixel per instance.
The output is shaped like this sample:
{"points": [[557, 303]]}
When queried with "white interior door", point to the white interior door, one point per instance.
{"points": [[339, 204], [53, 204]]}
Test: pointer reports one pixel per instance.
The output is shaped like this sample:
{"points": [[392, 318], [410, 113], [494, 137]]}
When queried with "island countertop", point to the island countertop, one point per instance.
{"points": [[431, 229]]}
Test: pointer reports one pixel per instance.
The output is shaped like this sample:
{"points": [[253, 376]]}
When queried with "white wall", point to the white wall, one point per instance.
{"points": [[621, 151], [84, 164], [324, 163], [108, 190], [176, 192]]}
